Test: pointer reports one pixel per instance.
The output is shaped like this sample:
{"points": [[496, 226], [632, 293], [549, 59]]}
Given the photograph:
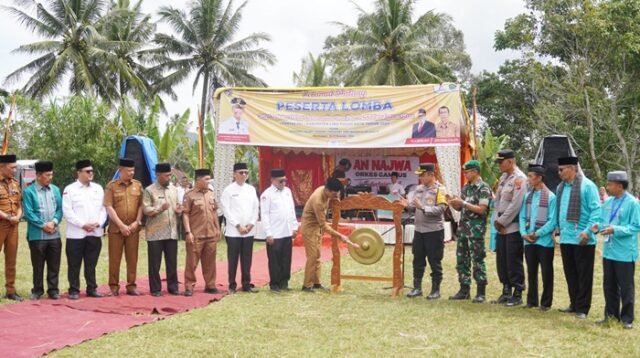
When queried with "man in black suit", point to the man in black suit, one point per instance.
{"points": [[424, 128]]}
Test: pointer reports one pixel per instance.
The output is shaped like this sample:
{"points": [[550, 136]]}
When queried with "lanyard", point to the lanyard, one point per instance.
{"points": [[614, 212]]}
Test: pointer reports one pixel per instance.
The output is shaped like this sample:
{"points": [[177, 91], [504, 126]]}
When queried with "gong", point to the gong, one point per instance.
{"points": [[371, 246]]}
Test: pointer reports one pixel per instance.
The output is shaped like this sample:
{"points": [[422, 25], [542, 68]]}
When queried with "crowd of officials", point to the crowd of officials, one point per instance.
{"points": [[529, 221]]}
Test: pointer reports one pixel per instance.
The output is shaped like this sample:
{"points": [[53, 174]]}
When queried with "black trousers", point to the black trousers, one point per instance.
{"points": [[49, 252], [78, 250], [509, 252], [577, 262], [279, 254], [240, 248], [155, 249], [539, 256], [427, 246], [618, 288]]}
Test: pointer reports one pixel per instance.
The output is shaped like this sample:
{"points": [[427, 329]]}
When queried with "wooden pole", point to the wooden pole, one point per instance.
{"points": [[475, 123]]}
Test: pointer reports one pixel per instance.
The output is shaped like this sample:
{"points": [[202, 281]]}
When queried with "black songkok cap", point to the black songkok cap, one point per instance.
{"points": [[127, 163], [43, 166], [81, 164]]}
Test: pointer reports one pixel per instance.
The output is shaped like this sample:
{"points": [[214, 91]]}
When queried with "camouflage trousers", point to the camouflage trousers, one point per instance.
{"points": [[470, 253]]}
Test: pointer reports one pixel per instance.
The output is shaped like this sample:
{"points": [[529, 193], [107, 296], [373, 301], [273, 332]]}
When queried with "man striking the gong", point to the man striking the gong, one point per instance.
{"points": [[313, 225]]}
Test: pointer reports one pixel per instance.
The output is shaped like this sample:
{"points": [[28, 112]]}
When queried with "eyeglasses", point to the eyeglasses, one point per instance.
{"points": [[243, 172], [282, 181], [88, 171], [560, 169]]}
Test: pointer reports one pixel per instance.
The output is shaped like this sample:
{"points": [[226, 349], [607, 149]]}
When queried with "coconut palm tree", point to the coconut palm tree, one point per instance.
{"points": [[313, 72], [128, 31], [387, 47], [205, 44], [70, 47]]}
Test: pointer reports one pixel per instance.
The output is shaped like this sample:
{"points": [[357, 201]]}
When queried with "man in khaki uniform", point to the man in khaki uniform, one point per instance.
{"points": [[314, 223], [163, 210], [202, 229], [123, 200], [10, 214]]}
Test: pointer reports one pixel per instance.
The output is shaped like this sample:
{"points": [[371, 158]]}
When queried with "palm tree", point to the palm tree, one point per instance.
{"points": [[312, 72], [68, 27], [128, 32], [388, 48], [206, 45]]}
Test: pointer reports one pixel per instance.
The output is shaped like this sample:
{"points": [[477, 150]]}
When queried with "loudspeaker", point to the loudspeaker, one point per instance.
{"points": [[133, 151], [551, 148]]}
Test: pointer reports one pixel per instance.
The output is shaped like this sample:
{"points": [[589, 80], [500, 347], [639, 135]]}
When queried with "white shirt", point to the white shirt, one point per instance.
{"points": [[240, 207], [83, 204], [396, 189], [232, 126], [277, 213]]}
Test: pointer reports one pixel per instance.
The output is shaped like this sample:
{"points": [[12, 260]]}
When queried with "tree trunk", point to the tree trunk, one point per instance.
{"points": [[592, 146], [203, 110]]}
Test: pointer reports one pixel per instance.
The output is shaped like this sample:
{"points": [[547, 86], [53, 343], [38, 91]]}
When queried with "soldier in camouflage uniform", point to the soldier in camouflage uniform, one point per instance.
{"points": [[474, 204]]}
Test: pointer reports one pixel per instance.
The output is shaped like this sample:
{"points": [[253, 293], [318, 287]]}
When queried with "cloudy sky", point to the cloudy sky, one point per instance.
{"points": [[298, 27]]}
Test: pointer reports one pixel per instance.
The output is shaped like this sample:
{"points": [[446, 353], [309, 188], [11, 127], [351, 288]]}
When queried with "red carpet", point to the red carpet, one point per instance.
{"points": [[31, 329]]}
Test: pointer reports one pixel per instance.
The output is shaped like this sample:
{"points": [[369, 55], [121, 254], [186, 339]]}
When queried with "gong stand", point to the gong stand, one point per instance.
{"points": [[373, 202]]}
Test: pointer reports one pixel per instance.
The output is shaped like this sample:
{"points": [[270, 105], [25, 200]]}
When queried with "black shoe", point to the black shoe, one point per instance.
{"points": [[213, 291], [416, 292], [286, 288], [35, 296], [156, 294], [504, 297], [307, 289], [480, 295], [275, 289], [74, 296], [250, 289], [14, 296], [188, 293], [567, 310], [95, 294], [462, 294], [627, 325], [544, 308], [318, 286], [174, 293], [114, 293], [133, 293], [604, 321], [54, 296], [581, 315], [435, 291], [515, 300], [529, 305]]}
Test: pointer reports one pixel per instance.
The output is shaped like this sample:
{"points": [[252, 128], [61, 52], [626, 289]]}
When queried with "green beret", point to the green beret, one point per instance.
{"points": [[472, 164]]}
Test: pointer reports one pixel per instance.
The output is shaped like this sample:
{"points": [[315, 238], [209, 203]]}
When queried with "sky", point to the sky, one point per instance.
{"points": [[298, 27]]}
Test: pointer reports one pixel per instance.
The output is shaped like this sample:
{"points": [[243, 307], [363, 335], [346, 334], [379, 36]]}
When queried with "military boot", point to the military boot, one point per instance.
{"points": [[435, 291], [480, 294], [504, 297], [417, 289], [463, 293]]}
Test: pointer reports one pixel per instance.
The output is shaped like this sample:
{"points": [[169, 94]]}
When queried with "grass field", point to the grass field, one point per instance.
{"points": [[362, 321]]}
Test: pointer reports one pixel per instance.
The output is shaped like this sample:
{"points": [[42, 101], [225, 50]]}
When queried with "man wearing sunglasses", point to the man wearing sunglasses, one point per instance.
{"points": [[279, 223], [235, 124], [240, 207], [82, 208]]}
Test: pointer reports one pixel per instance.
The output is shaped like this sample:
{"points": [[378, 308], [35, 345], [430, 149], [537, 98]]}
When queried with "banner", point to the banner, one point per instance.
{"points": [[341, 117], [375, 172]]}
